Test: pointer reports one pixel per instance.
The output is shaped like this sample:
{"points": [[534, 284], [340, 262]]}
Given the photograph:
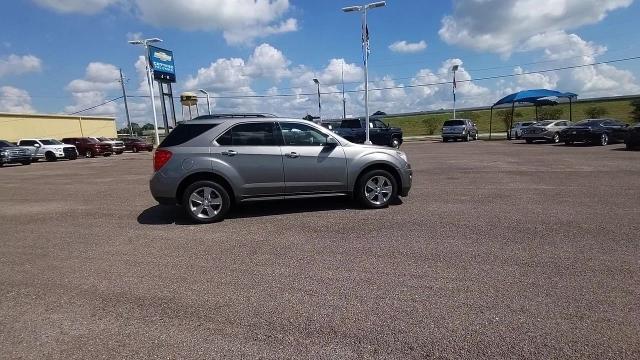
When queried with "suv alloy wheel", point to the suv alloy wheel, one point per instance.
{"points": [[206, 202], [376, 189]]}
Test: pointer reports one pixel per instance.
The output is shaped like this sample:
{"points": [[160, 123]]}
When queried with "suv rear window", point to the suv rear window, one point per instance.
{"points": [[453, 123], [350, 124], [185, 132]]}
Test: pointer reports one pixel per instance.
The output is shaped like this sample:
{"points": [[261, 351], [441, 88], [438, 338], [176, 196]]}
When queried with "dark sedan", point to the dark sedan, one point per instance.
{"points": [[633, 137], [595, 131]]}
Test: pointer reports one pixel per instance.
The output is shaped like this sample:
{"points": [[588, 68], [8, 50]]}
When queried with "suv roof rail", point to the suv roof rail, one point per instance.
{"points": [[235, 115]]}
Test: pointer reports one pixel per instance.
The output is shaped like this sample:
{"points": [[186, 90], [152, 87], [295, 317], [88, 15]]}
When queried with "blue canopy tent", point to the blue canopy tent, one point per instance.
{"points": [[536, 97]]}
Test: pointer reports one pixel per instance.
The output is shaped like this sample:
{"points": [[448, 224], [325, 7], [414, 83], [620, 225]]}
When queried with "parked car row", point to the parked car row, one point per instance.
{"points": [[26, 151], [592, 131]]}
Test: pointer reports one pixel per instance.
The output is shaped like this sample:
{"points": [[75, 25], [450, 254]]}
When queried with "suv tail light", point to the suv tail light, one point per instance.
{"points": [[160, 158]]}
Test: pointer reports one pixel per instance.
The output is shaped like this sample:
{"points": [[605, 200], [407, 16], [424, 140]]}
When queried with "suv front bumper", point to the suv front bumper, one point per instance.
{"points": [[406, 175]]}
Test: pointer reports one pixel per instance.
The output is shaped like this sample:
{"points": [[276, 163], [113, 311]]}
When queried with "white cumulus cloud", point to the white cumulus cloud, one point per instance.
{"points": [[16, 64], [76, 6], [500, 26], [14, 100], [407, 47]]}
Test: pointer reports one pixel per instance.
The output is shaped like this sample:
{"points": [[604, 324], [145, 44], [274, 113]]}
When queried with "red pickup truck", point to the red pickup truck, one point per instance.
{"points": [[89, 147]]}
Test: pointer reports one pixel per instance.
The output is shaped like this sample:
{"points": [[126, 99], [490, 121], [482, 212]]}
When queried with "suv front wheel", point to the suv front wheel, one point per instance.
{"points": [[376, 189], [206, 202]]}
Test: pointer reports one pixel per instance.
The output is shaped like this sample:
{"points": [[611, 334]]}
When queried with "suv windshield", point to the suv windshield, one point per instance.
{"points": [[50, 142], [453, 123], [4, 144]]}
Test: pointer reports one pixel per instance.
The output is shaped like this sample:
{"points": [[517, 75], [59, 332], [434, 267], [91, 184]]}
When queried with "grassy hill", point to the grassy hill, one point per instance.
{"points": [[417, 125]]}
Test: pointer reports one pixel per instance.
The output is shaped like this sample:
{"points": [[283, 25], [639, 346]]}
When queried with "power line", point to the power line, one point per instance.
{"points": [[260, 96], [95, 106], [424, 85]]}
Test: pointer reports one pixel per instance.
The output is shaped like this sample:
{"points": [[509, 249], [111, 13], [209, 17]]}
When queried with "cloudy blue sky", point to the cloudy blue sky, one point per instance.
{"points": [[62, 56]]}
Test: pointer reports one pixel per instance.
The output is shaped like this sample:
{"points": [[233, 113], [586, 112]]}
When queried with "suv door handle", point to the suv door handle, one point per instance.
{"points": [[292, 155], [230, 153]]}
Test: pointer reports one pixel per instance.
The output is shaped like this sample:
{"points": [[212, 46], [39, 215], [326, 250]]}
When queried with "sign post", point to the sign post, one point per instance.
{"points": [[161, 61]]}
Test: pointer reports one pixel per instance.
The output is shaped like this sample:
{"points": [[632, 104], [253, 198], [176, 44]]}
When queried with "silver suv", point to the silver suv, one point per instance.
{"points": [[209, 164]]}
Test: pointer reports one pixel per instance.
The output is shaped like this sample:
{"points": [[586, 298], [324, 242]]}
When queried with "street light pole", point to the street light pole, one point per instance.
{"points": [[145, 43], [319, 101], [454, 69], [208, 99], [365, 50]]}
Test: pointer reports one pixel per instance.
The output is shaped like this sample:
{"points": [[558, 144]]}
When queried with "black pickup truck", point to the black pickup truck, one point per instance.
{"points": [[379, 132]]}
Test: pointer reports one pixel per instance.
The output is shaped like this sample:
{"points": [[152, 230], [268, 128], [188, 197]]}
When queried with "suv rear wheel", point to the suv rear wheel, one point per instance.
{"points": [[376, 189], [206, 201], [395, 143], [89, 154]]}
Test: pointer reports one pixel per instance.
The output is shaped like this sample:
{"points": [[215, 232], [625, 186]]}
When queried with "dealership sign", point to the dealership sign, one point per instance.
{"points": [[161, 61]]}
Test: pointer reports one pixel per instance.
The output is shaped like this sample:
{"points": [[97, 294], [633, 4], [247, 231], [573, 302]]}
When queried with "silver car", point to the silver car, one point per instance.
{"points": [[518, 127], [208, 165], [547, 130]]}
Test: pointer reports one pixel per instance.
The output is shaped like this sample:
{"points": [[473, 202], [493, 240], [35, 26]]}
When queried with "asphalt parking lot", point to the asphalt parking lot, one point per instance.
{"points": [[502, 250]]}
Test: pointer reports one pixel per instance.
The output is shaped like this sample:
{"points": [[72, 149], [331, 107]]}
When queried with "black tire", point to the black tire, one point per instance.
{"points": [[135, 149], [118, 152], [467, 138], [555, 139], [362, 189], [50, 156], [28, 162], [106, 155], [604, 140], [567, 142], [89, 154], [72, 157], [150, 150], [190, 204], [445, 140], [395, 143], [529, 141], [628, 146]]}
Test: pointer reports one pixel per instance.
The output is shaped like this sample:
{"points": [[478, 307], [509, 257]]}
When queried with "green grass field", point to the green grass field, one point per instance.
{"points": [[415, 125]]}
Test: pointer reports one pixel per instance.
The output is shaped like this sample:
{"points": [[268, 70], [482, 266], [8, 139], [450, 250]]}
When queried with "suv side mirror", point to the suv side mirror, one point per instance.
{"points": [[36, 145], [331, 142]]}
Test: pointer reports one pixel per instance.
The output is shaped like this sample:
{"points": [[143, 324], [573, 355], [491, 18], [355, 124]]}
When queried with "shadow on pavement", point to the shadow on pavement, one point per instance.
{"points": [[164, 214]]}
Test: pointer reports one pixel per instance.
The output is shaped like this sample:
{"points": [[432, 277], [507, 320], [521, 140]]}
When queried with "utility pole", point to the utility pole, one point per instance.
{"points": [[126, 105]]}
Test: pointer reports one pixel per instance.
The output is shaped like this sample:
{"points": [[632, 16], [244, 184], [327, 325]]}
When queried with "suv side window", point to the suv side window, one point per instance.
{"points": [[249, 134], [27, 143], [295, 134]]}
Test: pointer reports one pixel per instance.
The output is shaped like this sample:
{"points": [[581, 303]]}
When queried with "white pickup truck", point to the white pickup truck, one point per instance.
{"points": [[48, 149]]}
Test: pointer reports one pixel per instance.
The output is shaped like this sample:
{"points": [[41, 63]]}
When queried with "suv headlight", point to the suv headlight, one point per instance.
{"points": [[402, 156]]}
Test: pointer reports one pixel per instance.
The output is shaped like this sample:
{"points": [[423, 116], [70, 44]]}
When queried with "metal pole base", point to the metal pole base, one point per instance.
{"points": [[368, 143]]}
